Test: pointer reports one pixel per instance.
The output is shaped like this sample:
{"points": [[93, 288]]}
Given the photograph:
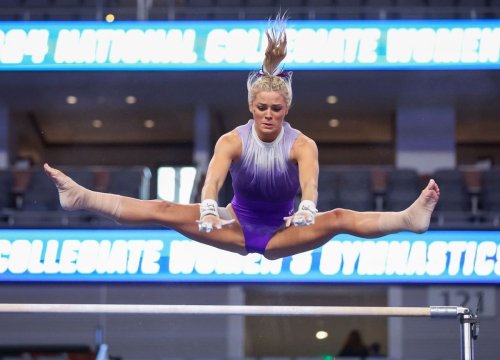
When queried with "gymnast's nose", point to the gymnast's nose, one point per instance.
{"points": [[268, 115]]}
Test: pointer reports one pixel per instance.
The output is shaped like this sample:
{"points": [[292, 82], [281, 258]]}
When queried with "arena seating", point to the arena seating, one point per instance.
{"points": [[470, 199], [30, 199], [402, 189], [354, 190], [250, 9]]}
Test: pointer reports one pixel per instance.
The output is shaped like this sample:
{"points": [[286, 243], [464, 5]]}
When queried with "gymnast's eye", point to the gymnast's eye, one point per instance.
{"points": [[261, 108], [277, 109]]}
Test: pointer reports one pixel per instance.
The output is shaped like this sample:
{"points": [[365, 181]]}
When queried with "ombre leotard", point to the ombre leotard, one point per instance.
{"points": [[265, 183]]}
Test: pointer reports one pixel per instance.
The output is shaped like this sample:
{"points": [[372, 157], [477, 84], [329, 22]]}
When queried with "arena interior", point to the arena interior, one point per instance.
{"points": [[393, 92]]}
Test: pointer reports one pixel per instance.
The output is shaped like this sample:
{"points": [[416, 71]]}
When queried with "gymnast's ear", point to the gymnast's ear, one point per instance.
{"points": [[250, 107]]}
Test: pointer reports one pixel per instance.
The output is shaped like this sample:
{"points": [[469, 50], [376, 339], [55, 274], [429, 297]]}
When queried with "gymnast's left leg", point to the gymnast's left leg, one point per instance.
{"points": [[296, 239]]}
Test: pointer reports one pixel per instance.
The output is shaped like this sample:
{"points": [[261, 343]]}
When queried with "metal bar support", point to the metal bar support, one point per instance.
{"points": [[469, 329]]}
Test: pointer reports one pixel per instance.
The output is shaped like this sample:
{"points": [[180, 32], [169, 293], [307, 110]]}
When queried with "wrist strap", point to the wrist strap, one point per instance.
{"points": [[308, 205], [208, 207]]}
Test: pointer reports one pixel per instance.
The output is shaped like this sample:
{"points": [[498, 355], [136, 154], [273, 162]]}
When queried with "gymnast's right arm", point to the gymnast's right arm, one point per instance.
{"points": [[227, 150]]}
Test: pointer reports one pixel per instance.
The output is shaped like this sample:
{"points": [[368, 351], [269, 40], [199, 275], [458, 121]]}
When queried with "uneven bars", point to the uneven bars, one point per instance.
{"points": [[433, 311]]}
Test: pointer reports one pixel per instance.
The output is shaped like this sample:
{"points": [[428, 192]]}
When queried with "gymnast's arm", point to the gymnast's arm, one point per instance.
{"points": [[227, 150], [305, 152]]}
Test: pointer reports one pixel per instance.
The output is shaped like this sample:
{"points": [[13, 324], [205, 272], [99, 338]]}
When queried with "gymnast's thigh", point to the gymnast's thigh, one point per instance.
{"points": [[297, 239], [182, 218]]}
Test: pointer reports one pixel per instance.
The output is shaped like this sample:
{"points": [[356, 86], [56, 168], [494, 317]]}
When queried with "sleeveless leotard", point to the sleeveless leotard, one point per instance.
{"points": [[265, 183]]}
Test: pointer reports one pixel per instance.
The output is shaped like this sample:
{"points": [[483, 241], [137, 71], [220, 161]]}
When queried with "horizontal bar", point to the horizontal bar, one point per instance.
{"points": [[224, 310]]}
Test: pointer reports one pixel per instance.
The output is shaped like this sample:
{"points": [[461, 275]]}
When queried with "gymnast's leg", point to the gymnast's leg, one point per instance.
{"points": [[125, 210], [296, 239]]}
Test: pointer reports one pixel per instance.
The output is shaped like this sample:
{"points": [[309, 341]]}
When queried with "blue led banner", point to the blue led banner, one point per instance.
{"points": [[165, 255], [239, 45]]}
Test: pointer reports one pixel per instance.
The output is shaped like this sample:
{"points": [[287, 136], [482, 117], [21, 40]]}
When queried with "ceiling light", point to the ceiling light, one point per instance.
{"points": [[130, 100], [110, 18], [320, 335], [71, 100], [97, 124], [331, 99], [334, 123], [149, 124]]}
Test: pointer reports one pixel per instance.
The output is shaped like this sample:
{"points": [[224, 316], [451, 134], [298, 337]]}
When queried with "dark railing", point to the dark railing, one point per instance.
{"points": [[175, 12]]}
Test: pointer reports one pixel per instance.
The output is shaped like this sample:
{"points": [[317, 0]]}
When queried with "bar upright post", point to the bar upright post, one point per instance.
{"points": [[467, 322]]}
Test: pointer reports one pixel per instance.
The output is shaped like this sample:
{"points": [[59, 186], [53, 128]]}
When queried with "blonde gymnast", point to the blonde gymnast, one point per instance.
{"points": [[268, 161]]}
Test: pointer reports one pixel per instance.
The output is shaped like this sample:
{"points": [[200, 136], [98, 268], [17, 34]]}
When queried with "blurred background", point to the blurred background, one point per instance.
{"points": [[383, 129]]}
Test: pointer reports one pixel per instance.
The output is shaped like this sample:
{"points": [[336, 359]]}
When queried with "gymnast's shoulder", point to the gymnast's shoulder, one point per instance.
{"points": [[230, 144], [304, 148]]}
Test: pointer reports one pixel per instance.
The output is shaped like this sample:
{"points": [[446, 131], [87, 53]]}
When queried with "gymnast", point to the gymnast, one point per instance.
{"points": [[268, 161]]}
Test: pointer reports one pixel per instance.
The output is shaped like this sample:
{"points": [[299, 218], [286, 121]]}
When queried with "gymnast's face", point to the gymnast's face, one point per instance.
{"points": [[269, 109]]}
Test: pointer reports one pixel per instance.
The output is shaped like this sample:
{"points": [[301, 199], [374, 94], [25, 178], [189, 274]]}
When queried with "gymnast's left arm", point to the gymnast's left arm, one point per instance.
{"points": [[305, 152]]}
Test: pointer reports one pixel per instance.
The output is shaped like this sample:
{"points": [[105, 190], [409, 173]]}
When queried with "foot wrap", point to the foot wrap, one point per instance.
{"points": [[416, 218], [75, 197]]}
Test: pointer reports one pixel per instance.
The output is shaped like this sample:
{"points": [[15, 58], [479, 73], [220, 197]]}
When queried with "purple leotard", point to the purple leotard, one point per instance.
{"points": [[265, 183]]}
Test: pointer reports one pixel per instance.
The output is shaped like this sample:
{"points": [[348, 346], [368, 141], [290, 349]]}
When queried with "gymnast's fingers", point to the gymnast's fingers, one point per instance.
{"points": [[299, 220], [204, 226]]}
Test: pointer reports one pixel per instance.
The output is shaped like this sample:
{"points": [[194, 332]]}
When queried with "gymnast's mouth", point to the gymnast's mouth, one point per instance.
{"points": [[267, 125]]}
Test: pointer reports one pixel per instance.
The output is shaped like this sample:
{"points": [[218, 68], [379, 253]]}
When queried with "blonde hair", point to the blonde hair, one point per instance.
{"points": [[271, 77]]}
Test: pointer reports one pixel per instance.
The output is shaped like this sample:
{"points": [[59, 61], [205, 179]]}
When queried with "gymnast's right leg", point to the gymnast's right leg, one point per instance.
{"points": [[179, 217]]}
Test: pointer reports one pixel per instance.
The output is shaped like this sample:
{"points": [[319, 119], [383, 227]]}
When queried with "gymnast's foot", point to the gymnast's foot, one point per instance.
{"points": [[70, 193], [418, 215], [416, 218]]}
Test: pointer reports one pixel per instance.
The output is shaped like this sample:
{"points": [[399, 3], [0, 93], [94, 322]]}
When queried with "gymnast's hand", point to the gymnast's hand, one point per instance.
{"points": [[210, 222], [300, 218], [304, 216]]}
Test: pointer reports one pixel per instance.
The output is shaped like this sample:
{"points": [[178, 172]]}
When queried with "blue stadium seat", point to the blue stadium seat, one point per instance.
{"points": [[254, 13], [354, 188], [349, 3], [471, 6], [260, 3], [379, 3], [93, 3], [355, 14], [201, 3], [37, 3], [490, 191], [11, 3], [289, 3], [454, 196], [126, 3], [10, 17], [125, 183], [447, 3], [411, 3], [6, 182], [327, 190], [402, 189], [67, 3], [230, 3], [233, 14], [41, 194], [472, 3], [321, 15], [413, 13], [437, 13], [319, 3]]}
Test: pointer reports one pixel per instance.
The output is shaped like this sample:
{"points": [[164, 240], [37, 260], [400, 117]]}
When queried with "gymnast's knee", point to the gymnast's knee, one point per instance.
{"points": [[163, 208], [338, 218]]}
